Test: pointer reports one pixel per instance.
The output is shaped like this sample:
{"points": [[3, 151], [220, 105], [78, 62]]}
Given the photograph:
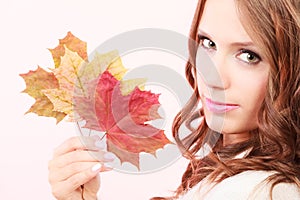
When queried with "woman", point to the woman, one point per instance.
{"points": [[254, 45]]}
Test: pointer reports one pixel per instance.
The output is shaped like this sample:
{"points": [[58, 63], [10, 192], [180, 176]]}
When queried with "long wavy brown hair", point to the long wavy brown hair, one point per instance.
{"points": [[275, 143]]}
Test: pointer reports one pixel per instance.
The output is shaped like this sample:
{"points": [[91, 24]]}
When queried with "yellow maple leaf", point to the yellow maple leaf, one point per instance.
{"points": [[37, 81], [100, 62], [127, 86], [67, 74], [44, 107], [61, 100]]}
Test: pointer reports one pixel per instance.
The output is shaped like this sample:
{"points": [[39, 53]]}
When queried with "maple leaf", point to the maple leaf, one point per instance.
{"points": [[110, 60], [71, 73], [97, 93], [71, 42], [127, 86], [74, 73], [68, 79], [122, 117], [37, 81]]}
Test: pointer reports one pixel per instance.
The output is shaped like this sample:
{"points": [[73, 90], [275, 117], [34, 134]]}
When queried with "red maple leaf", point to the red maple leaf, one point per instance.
{"points": [[123, 118]]}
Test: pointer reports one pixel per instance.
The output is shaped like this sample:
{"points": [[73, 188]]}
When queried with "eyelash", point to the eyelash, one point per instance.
{"points": [[251, 53], [201, 38], [242, 51]]}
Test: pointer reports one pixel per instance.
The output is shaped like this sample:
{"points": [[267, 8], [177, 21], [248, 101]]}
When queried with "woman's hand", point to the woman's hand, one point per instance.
{"points": [[74, 169]]}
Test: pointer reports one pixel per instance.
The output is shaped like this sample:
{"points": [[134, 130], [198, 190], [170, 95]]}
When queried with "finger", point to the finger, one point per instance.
{"points": [[62, 174], [83, 177], [77, 143], [72, 157], [81, 156]]}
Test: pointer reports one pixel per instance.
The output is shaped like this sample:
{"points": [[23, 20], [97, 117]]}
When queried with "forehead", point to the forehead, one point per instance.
{"points": [[220, 20]]}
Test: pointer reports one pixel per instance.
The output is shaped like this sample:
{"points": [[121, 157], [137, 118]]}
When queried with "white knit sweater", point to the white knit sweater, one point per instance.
{"points": [[244, 186]]}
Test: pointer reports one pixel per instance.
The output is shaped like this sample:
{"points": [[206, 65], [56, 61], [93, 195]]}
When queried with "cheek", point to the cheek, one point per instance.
{"points": [[252, 91], [201, 85]]}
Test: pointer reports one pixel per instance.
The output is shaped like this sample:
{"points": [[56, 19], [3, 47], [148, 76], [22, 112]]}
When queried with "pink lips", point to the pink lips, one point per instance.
{"points": [[218, 107]]}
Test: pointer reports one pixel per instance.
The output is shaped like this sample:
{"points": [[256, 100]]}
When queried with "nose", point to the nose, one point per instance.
{"points": [[212, 69]]}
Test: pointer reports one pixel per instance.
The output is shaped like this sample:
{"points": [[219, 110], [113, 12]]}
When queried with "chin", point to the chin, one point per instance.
{"points": [[215, 123], [221, 124]]}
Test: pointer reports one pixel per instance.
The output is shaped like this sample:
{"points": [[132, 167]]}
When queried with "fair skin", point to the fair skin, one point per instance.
{"points": [[74, 165], [244, 78], [241, 67]]}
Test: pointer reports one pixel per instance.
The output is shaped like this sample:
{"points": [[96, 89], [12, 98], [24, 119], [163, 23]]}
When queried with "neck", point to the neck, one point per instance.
{"points": [[233, 138]]}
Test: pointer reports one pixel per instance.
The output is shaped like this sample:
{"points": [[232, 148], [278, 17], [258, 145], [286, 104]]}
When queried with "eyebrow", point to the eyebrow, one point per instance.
{"points": [[203, 33]]}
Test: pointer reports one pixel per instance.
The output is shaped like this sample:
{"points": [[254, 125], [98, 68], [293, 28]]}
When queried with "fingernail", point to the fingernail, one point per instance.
{"points": [[109, 156], [96, 167], [99, 144], [108, 165]]}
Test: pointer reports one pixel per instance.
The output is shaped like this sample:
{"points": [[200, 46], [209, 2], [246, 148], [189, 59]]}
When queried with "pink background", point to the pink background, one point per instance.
{"points": [[28, 28]]}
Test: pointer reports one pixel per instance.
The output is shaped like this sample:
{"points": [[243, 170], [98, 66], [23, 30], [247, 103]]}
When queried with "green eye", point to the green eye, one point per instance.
{"points": [[249, 57], [208, 44]]}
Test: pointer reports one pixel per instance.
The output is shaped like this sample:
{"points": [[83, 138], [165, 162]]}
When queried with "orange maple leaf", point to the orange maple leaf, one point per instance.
{"points": [[71, 42]]}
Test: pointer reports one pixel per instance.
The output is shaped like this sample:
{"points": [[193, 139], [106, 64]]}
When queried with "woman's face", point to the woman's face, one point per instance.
{"points": [[241, 68]]}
